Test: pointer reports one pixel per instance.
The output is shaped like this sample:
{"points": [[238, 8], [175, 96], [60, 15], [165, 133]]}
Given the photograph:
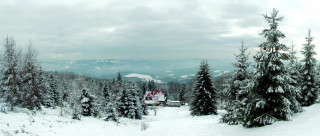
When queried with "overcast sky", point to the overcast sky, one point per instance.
{"points": [[151, 29]]}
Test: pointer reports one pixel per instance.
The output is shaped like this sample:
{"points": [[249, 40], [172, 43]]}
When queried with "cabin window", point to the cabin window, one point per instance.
{"points": [[148, 98]]}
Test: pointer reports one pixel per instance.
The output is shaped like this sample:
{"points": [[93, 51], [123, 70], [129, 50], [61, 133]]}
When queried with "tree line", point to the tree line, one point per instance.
{"points": [[272, 91], [24, 84]]}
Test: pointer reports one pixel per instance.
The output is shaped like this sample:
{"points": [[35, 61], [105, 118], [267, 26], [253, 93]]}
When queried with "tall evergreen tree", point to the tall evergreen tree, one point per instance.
{"points": [[269, 97], [64, 97], [109, 106], [75, 104], [30, 82], [309, 85], [132, 104], [10, 73], [143, 89], [318, 81], [182, 94], [41, 85], [204, 99], [237, 91], [52, 96], [295, 82], [106, 92], [123, 103], [135, 106], [240, 77], [119, 78]]}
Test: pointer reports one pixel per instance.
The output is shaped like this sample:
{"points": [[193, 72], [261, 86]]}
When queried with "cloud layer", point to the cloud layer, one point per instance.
{"points": [[130, 29]]}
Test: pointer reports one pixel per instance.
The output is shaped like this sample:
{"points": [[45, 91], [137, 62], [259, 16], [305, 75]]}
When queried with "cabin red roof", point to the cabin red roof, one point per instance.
{"points": [[156, 92], [154, 96]]}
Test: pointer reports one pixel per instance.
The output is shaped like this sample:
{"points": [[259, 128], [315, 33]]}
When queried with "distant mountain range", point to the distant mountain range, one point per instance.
{"points": [[158, 70]]}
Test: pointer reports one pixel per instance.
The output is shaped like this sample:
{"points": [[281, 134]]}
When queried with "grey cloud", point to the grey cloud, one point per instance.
{"points": [[130, 29]]}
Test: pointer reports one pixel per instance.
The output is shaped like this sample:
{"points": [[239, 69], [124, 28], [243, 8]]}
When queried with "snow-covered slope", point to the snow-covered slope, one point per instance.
{"points": [[143, 77], [168, 122], [49, 123], [178, 121]]}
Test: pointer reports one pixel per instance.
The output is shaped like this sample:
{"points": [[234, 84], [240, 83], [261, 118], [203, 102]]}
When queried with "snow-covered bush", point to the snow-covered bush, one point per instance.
{"points": [[86, 102], [76, 113], [4, 107]]}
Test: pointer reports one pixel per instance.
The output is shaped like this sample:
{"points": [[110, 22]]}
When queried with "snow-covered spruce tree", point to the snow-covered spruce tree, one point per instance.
{"points": [[48, 99], [94, 89], [63, 97], [41, 84], [111, 111], [75, 105], [30, 83], [99, 99], [204, 97], [135, 110], [309, 85], [103, 97], [140, 111], [237, 92], [52, 96], [106, 92], [143, 89], [131, 108], [76, 112], [95, 106], [269, 97], [86, 103], [318, 82], [53, 87], [10, 73], [110, 108], [295, 82], [182, 94], [123, 103], [119, 78]]}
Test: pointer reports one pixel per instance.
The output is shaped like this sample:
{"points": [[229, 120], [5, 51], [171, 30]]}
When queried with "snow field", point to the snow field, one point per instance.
{"points": [[49, 123], [169, 121], [178, 121]]}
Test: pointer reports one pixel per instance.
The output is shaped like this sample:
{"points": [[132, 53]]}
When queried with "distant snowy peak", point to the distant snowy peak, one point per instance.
{"points": [[186, 76], [143, 77]]}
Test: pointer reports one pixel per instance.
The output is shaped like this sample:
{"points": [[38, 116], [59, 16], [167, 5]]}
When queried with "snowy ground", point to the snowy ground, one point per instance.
{"points": [[168, 122]]}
